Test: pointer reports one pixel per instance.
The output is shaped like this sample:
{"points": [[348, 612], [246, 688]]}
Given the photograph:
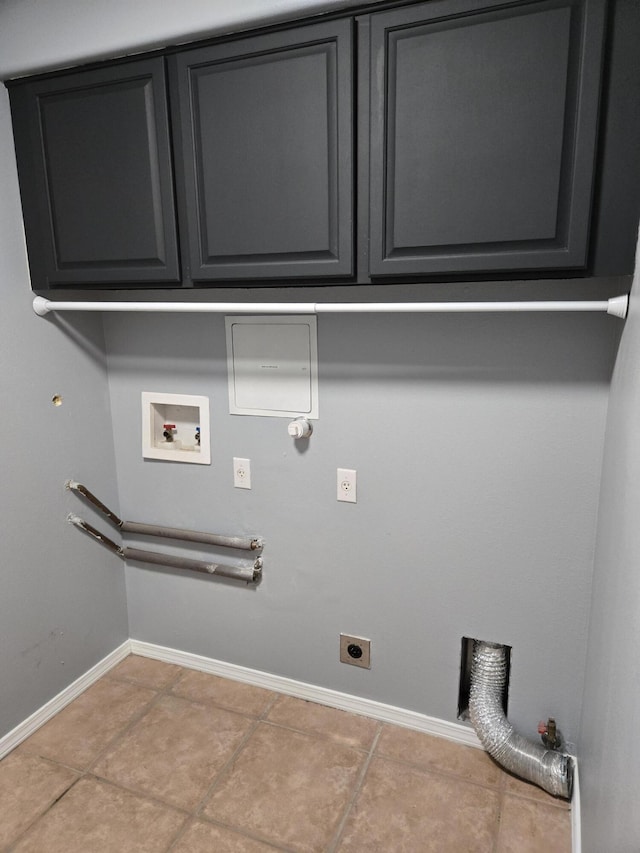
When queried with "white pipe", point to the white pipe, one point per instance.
{"points": [[43, 306], [616, 306]]}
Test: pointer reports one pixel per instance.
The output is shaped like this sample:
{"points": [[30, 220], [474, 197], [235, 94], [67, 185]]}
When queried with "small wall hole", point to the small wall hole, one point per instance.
{"points": [[57, 399]]}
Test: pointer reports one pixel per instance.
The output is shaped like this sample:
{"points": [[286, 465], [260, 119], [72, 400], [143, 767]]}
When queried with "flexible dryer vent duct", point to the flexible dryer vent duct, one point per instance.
{"points": [[551, 770]]}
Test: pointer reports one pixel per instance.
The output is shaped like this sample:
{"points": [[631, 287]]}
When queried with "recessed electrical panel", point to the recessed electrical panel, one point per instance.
{"points": [[175, 427], [273, 365]]}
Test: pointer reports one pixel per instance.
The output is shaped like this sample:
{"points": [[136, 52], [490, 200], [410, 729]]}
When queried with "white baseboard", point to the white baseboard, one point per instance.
{"points": [[322, 695], [576, 827], [53, 706]]}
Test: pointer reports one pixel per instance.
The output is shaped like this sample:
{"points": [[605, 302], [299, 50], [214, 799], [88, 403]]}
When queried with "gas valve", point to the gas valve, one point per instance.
{"points": [[549, 734]]}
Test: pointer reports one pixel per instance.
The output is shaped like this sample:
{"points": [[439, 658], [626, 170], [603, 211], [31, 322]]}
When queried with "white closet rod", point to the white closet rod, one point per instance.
{"points": [[616, 306]]}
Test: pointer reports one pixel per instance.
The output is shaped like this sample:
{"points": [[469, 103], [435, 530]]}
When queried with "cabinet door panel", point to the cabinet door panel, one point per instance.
{"points": [[95, 174], [266, 134], [483, 136]]}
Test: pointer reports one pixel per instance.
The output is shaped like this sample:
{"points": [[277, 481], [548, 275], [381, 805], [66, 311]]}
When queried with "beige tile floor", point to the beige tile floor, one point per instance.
{"points": [[154, 757]]}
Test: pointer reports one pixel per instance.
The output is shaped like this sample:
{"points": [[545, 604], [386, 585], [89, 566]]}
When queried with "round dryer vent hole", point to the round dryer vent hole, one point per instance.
{"points": [[57, 399]]}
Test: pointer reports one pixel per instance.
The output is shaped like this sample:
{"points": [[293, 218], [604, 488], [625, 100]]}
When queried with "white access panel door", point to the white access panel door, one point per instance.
{"points": [[273, 365]]}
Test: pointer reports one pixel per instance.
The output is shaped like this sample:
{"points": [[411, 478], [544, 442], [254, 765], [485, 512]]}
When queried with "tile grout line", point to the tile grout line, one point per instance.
{"points": [[160, 693], [196, 813], [234, 756], [189, 815], [337, 836], [454, 777], [321, 736], [83, 773], [263, 718], [167, 691], [46, 759], [498, 820], [143, 795], [241, 832], [12, 844], [436, 771]]}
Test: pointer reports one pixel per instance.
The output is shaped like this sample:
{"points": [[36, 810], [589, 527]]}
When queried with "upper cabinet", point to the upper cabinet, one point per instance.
{"points": [[478, 139], [264, 155], [94, 162], [483, 135]]}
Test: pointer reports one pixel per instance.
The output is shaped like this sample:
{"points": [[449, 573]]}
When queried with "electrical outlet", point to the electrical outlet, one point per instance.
{"points": [[355, 651], [241, 473], [347, 485]]}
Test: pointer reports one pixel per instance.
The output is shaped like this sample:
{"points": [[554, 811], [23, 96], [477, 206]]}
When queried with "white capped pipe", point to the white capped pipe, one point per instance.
{"points": [[617, 306], [43, 306]]}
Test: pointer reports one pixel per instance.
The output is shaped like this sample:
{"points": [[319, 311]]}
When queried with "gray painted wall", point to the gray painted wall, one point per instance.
{"points": [[58, 33], [478, 444], [62, 601], [609, 742]]}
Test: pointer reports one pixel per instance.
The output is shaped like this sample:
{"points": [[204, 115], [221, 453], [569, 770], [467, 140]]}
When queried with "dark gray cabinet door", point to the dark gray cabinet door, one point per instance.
{"points": [[266, 150], [95, 173], [482, 134]]}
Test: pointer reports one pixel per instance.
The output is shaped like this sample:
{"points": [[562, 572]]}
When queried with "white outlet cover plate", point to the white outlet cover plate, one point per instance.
{"points": [[272, 365], [187, 412], [346, 485], [241, 473]]}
